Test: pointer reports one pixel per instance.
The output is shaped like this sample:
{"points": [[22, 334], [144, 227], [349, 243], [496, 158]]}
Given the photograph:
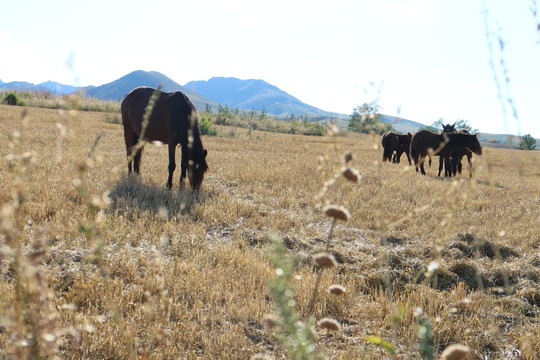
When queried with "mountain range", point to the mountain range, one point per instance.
{"points": [[248, 95], [251, 94], [255, 94], [236, 93]]}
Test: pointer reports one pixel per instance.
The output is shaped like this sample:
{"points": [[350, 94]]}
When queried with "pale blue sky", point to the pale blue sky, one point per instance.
{"points": [[421, 59]]}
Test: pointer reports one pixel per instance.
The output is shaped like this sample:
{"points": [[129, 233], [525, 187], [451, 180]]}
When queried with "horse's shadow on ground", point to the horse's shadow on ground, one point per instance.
{"points": [[131, 198], [478, 181]]}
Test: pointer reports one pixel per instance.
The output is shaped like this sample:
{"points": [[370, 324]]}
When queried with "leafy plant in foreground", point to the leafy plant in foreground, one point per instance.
{"points": [[298, 337]]}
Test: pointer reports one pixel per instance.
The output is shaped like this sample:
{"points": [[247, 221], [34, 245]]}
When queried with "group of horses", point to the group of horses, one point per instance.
{"points": [[170, 118], [450, 145]]}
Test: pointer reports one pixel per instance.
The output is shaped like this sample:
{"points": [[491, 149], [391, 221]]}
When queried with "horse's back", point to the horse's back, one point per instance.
{"points": [[390, 139], [170, 115], [424, 140], [405, 140], [133, 107]]}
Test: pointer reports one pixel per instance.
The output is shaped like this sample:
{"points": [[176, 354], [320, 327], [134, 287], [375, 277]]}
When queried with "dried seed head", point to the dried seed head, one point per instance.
{"points": [[455, 352], [337, 290], [260, 356], [352, 175], [347, 158], [270, 321], [325, 260], [329, 324], [338, 212]]}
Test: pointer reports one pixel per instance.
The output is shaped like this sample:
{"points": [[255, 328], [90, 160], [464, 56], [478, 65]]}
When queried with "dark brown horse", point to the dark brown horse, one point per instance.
{"points": [[425, 143], [390, 143], [455, 161], [173, 121], [403, 147], [452, 162]]}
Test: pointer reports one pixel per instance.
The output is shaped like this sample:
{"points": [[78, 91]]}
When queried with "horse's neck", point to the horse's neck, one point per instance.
{"points": [[197, 142]]}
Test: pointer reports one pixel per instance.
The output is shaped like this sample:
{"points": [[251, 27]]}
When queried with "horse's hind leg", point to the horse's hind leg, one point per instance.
{"points": [[183, 164], [421, 161], [172, 163], [133, 156], [136, 154]]}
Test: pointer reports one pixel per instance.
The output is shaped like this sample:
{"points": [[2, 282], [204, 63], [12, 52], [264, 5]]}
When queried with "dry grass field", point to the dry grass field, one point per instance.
{"points": [[97, 265]]}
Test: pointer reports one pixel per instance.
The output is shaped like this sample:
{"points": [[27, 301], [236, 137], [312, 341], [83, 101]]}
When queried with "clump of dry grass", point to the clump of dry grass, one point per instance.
{"points": [[32, 318]]}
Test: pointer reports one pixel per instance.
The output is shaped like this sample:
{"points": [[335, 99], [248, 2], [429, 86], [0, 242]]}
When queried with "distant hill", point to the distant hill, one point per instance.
{"points": [[58, 88], [254, 94], [49, 86], [22, 86], [401, 125], [235, 93], [117, 89]]}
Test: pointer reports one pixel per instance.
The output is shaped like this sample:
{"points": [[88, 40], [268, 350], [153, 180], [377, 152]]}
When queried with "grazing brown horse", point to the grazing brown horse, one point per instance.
{"points": [[390, 143], [173, 121], [424, 142]]}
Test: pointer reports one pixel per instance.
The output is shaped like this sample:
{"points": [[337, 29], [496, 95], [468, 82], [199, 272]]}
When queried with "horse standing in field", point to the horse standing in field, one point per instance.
{"points": [[452, 164], [173, 121], [455, 161], [394, 145], [455, 158], [390, 143], [425, 142], [403, 147]]}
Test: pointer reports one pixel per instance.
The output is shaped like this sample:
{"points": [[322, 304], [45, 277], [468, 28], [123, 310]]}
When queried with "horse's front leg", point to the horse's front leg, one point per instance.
{"points": [[172, 162], [183, 164], [469, 156], [441, 161], [448, 166]]}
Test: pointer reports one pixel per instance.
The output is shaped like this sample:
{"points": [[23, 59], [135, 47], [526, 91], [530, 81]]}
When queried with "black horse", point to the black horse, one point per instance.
{"points": [[403, 147], [173, 121], [425, 143], [394, 145], [390, 143], [452, 163]]}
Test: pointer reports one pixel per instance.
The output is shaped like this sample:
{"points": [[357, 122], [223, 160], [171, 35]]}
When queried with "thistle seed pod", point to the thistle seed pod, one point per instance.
{"points": [[325, 260], [329, 324], [337, 212], [337, 290], [455, 352], [270, 321], [351, 175]]}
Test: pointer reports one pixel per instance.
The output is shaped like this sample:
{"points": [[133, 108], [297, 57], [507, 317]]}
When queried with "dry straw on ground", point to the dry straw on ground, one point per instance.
{"points": [[171, 274]]}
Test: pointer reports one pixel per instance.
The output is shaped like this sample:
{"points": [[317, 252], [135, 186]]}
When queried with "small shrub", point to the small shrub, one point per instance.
{"points": [[12, 99], [527, 142], [207, 127]]}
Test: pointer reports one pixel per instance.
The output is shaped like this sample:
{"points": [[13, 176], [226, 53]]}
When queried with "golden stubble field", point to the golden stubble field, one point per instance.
{"points": [[97, 265]]}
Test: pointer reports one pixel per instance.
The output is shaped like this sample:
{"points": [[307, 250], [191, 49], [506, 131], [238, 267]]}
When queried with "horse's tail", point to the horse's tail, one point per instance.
{"points": [[412, 151]]}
